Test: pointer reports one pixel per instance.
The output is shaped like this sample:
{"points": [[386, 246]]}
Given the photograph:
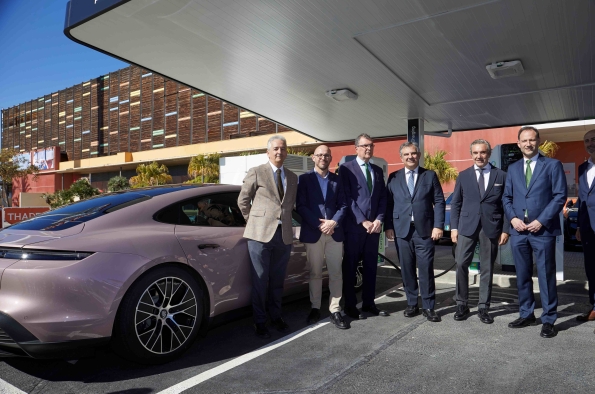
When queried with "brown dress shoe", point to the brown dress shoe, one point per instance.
{"points": [[587, 316]]}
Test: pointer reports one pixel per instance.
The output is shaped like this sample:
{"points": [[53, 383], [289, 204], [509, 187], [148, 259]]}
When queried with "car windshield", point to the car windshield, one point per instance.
{"points": [[83, 211]]}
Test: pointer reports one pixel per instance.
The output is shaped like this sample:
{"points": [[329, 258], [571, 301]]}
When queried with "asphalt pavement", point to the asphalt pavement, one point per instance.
{"points": [[378, 355]]}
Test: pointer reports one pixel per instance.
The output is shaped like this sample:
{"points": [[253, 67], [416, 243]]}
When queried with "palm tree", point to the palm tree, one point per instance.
{"points": [[204, 166], [150, 175], [549, 148], [437, 163]]}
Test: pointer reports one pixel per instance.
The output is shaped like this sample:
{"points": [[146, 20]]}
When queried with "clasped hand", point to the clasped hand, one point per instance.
{"points": [[327, 226], [520, 226], [372, 227]]}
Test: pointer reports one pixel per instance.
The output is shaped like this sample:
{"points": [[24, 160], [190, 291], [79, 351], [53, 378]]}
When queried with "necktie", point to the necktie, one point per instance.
{"points": [[368, 177], [410, 183], [528, 173], [480, 180], [280, 185]]}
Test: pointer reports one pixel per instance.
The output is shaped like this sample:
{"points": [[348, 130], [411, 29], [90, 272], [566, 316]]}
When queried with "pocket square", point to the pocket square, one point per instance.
{"points": [[497, 184]]}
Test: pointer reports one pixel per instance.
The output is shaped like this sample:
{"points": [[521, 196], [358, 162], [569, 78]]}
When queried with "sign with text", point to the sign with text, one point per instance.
{"points": [[14, 215]]}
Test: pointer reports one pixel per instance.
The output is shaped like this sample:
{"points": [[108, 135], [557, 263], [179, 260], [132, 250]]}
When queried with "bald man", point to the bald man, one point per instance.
{"points": [[586, 219], [321, 204]]}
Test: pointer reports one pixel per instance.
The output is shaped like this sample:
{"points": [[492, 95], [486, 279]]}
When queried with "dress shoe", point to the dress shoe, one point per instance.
{"points": [[548, 330], [261, 330], [354, 313], [375, 311], [411, 311], [523, 322], [338, 321], [484, 316], [314, 316], [587, 316], [462, 313], [280, 325], [431, 315]]}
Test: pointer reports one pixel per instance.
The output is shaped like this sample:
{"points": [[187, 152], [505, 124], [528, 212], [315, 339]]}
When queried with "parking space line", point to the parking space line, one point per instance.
{"points": [[7, 388], [188, 383]]}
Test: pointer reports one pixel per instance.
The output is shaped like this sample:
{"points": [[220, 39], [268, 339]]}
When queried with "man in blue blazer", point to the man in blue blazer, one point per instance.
{"points": [[416, 206], [477, 215], [586, 219], [365, 196], [321, 204], [534, 195]]}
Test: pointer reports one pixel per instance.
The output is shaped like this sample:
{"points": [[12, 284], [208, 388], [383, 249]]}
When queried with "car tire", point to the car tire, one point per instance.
{"points": [[159, 317]]}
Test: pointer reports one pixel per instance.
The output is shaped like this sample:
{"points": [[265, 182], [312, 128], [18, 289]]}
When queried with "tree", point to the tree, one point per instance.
{"points": [[117, 183], [549, 148], [436, 162], [204, 168], [79, 190], [14, 164], [150, 175]]}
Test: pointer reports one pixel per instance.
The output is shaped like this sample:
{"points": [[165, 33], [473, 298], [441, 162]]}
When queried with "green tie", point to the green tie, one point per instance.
{"points": [[528, 173], [368, 177]]}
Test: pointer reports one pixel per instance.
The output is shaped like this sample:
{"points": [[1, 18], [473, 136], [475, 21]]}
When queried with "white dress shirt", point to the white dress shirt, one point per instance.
{"points": [[486, 174], [415, 175], [533, 163], [590, 172], [361, 163], [282, 178]]}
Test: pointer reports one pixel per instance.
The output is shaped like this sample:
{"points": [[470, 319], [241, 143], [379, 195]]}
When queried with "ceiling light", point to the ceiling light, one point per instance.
{"points": [[341, 94], [505, 69]]}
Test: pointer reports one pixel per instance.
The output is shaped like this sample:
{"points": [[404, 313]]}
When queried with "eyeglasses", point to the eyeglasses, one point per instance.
{"points": [[367, 146], [320, 156]]}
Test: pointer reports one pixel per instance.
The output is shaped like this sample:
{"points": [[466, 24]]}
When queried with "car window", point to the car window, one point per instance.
{"points": [[215, 210]]}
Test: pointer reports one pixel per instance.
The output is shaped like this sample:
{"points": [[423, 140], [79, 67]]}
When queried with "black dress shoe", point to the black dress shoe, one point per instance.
{"points": [[280, 325], [411, 311], [548, 330], [462, 313], [431, 315], [338, 321], [523, 322], [375, 311], [314, 316], [484, 316], [261, 330], [354, 313]]}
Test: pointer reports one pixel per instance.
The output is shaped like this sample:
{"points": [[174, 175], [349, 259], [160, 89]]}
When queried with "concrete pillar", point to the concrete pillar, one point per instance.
{"points": [[415, 134]]}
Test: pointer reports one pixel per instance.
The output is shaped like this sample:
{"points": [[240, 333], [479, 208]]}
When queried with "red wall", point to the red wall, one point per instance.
{"points": [[45, 183]]}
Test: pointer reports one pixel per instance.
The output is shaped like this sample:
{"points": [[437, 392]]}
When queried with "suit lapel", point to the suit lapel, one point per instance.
{"points": [[316, 186], [420, 174], [402, 182], [360, 175], [584, 176], [538, 167], [269, 177]]}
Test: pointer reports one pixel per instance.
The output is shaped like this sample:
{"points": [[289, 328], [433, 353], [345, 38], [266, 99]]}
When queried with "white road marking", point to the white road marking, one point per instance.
{"points": [[7, 388], [186, 384]]}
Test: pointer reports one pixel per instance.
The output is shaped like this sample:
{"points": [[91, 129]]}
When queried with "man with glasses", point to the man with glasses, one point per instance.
{"points": [[416, 206], [534, 195], [365, 196], [321, 204]]}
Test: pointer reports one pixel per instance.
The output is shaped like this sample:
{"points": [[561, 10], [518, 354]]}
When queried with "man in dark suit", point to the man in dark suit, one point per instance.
{"points": [[416, 206], [586, 219], [477, 215], [534, 195], [365, 196], [266, 201], [320, 203]]}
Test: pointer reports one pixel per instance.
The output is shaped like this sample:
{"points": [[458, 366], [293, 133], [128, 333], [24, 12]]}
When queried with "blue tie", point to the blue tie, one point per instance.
{"points": [[410, 183]]}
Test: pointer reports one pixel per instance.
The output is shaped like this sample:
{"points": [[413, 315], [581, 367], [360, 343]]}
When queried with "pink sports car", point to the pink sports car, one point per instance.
{"points": [[144, 269]]}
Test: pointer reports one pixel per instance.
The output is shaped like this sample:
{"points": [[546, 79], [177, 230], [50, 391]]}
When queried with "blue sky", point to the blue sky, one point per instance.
{"points": [[36, 57]]}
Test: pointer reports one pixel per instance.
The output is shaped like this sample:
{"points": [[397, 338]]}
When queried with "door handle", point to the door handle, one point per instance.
{"points": [[207, 246]]}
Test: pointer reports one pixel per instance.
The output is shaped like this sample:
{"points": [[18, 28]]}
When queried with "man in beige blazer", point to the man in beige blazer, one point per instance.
{"points": [[272, 190]]}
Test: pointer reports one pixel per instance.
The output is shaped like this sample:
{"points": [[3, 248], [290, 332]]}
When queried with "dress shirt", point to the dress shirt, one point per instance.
{"points": [[590, 173], [486, 174], [282, 177], [323, 182], [533, 163], [415, 175]]}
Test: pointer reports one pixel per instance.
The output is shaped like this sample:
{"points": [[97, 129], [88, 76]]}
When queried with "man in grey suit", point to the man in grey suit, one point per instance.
{"points": [[477, 215], [272, 190]]}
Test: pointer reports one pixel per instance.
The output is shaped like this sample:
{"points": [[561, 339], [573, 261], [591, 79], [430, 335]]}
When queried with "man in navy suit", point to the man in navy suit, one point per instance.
{"points": [[416, 206], [477, 215], [586, 219], [534, 195], [320, 203], [365, 196]]}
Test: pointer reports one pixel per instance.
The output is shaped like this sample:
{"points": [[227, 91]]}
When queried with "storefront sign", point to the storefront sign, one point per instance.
{"points": [[14, 215]]}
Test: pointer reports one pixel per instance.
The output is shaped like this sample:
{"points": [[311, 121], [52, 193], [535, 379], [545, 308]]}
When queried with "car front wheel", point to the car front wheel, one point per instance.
{"points": [[159, 317]]}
